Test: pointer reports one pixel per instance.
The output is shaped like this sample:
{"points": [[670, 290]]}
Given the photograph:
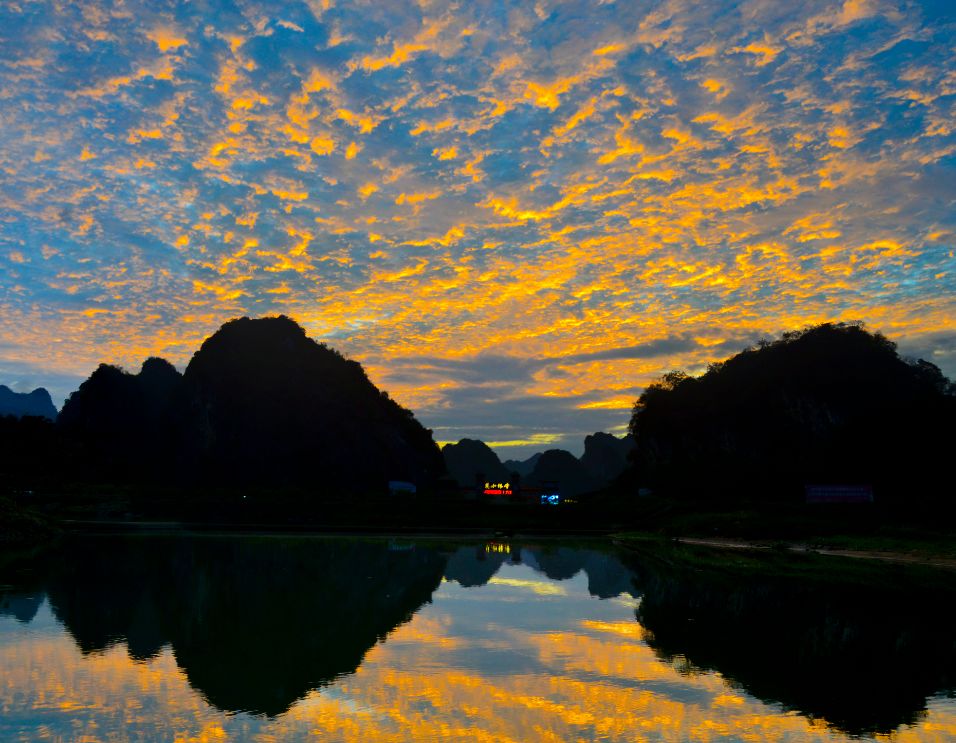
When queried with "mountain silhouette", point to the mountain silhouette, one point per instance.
{"points": [[473, 566], [265, 403], [21, 605], [125, 421], [562, 467], [523, 467], [19, 404], [260, 403], [830, 404], [606, 456], [471, 460]]}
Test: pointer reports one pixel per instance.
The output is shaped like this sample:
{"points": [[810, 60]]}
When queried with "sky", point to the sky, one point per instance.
{"points": [[515, 214]]}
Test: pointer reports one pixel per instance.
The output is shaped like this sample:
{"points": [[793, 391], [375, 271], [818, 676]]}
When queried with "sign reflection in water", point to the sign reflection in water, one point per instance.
{"points": [[269, 638]]}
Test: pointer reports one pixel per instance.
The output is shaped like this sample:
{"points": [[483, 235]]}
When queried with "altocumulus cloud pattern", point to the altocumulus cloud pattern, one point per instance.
{"points": [[514, 214]]}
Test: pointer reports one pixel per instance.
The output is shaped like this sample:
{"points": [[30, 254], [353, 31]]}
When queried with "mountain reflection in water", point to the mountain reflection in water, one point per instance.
{"points": [[254, 623], [862, 654], [257, 624]]}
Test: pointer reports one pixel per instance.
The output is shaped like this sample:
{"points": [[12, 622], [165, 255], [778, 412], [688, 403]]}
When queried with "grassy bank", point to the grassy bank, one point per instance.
{"points": [[869, 527]]}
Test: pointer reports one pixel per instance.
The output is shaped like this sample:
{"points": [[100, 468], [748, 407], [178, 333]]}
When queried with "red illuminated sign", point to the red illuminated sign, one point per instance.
{"points": [[498, 488]]}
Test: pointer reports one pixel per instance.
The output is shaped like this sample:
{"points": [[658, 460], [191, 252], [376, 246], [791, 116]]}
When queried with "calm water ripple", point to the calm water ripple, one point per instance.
{"points": [[272, 638]]}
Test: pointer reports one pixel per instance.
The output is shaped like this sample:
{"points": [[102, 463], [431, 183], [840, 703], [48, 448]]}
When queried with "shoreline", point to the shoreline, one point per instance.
{"points": [[915, 556], [801, 548], [104, 527]]}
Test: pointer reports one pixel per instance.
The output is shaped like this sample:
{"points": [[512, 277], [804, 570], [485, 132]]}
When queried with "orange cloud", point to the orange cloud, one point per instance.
{"points": [[166, 39]]}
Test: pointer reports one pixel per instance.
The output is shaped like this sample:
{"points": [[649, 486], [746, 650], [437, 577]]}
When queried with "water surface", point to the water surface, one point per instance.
{"points": [[205, 638]]}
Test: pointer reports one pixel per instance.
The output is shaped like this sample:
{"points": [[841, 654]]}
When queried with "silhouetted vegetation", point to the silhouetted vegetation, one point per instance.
{"points": [[832, 404]]}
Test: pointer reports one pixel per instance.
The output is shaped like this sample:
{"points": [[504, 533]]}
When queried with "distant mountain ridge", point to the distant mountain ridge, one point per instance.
{"points": [[20, 404], [605, 458], [560, 469], [470, 460], [523, 467]]}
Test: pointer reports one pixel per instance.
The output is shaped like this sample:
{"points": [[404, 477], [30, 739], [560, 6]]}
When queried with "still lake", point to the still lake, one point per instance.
{"points": [[267, 638]]}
